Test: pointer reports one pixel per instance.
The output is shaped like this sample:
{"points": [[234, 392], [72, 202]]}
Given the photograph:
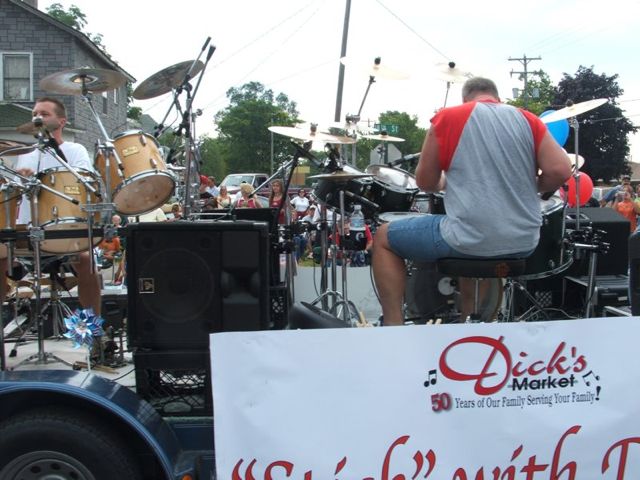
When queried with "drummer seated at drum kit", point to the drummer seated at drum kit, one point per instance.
{"points": [[53, 114], [491, 153]]}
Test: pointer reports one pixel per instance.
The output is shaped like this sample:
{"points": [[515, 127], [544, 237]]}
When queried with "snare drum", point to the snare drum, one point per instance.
{"points": [[144, 182], [392, 188], [550, 256], [328, 191], [57, 213]]}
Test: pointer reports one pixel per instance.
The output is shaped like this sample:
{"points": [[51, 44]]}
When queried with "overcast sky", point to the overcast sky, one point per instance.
{"points": [[293, 46]]}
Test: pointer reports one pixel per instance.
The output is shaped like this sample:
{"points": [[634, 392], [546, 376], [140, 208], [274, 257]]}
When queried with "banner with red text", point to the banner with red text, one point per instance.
{"points": [[531, 401]]}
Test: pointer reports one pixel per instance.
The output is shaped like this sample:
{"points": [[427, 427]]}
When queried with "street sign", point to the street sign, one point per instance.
{"points": [[387, 127]]}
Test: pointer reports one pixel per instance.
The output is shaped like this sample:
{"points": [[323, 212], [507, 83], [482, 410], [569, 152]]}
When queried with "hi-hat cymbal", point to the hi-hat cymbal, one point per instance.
{"points": [[340, 176], [70, 82], [450, 73], [375, 69], [166, 79], [311, 135], [29, 128], [8, 148], [573, 110], [383, 137]]}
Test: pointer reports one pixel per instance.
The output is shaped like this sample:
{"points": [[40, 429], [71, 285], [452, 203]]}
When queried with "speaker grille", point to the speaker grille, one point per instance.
{"points": [[187, 280]]}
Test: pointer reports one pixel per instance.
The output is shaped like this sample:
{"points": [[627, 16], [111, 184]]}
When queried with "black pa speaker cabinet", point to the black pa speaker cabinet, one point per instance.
{"points": [[188, 279], [616, 227]]}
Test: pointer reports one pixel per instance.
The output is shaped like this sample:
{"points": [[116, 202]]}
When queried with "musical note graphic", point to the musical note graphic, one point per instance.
{"points": [[587, 382], [432, 378]]}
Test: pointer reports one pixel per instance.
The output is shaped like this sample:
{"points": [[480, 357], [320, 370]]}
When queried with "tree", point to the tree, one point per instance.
{"points": [[546, 93], [244, 138], [602, 132], [407, 129], [74, 18]]}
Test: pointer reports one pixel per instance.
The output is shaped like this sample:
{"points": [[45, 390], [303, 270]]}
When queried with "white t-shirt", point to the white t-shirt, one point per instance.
{"points": [[156, 215], [76, 156], [300, 203]]}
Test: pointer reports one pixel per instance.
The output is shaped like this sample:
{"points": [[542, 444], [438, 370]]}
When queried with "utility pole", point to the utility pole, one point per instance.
{"points": [[343, 52], [525, 62]]}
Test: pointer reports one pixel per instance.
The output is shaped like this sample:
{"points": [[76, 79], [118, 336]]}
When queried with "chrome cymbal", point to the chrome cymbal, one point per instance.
{"points": [[311, 135], [166, 79], [70, 82], [375, 69], [383, 137], [573, 110], [452, 74], [340, 176], [9, 148]]}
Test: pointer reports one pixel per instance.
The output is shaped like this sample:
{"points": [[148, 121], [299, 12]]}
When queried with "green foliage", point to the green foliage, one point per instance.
{"points": [[244, 138], [603, 132], [546, 94], [73, 17], [407, 129]]}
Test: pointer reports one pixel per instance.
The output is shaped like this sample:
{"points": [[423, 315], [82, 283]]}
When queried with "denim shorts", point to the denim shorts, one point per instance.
{"points": [[419, 238]]}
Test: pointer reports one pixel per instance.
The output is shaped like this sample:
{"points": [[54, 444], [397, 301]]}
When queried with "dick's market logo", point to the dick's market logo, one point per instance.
{"points": [[502, 379]]}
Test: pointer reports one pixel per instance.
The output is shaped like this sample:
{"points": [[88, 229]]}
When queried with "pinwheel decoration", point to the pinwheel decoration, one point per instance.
{"points": [[83, 326]]}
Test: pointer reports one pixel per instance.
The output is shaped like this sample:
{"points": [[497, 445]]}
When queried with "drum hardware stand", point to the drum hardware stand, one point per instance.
{"points": [[36, 236], [188, 120], [593, 245]]}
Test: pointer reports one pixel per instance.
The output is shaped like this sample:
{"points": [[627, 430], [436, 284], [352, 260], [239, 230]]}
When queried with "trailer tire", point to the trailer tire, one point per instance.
{"points": [[60, 443]]}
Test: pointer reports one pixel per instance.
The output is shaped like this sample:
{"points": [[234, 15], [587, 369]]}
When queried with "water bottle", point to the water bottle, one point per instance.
{"points": [[357, 219]]}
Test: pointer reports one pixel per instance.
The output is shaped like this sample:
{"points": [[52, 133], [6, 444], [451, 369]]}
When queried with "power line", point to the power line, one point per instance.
{"points": [[413, 31]]}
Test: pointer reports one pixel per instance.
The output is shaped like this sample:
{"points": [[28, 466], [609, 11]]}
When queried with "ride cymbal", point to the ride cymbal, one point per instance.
{"points": [[166, 79], [452, 74], [375, 69], [573, 110], [72, 82], [383, 137], [311, 135]]}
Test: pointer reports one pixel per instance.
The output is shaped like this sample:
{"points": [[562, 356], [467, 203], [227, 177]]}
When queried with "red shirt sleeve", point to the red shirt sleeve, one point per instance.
{"points": [[538, 128], [448, 124]]}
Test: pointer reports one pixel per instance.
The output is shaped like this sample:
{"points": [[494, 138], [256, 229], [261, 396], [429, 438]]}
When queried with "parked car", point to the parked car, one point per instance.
{"points": [[233, 181]]}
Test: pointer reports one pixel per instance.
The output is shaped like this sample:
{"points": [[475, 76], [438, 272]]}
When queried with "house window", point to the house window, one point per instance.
{"points": [[115, 96], [16, 69], [105, 106]]}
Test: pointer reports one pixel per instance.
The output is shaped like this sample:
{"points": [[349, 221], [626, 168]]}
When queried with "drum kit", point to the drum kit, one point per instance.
{"points": [[388, 193], [71, 208]]}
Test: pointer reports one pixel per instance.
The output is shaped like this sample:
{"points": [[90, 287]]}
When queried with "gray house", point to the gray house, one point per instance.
{"points": [[34, 45]]}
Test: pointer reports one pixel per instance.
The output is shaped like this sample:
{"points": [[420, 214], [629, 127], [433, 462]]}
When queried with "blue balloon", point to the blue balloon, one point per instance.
{"points": [[559, 129]]}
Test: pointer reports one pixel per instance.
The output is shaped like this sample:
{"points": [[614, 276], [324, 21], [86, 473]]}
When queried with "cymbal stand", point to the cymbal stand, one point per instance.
{"points": [[36, 236], [573, 123], [188, 122]]}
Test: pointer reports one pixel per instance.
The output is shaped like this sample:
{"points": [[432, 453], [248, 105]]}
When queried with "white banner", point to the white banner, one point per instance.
{"points": [[531, 401]]}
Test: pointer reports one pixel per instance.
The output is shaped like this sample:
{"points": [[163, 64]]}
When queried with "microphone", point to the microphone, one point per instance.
{"points": [[406, 158], [303, 151], [38, 123]]}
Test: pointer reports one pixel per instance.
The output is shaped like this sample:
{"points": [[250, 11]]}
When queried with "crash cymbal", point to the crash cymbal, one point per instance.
{"points": [[375, 69], [383, 137], [340, 176], [311, 134], [452, 74], [165, 80], [70, 82], [8, 148], [573, 110]]}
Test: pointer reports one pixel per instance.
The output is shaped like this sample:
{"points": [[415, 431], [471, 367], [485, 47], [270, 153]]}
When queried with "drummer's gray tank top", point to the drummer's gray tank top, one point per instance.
{"points": [[491, 195]]}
